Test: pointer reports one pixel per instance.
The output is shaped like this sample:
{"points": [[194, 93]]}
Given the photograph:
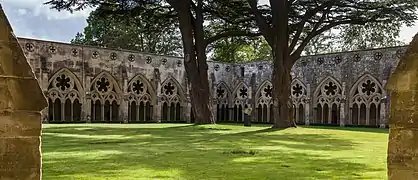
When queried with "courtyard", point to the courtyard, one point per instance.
{"points": [[223, 151]]}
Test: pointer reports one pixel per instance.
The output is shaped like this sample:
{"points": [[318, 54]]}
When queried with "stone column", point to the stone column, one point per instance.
{"points": [[123, 107], [342, 105], [87, 106], [403, 121], [21, 100], [157, 111], [187, 111], [308, 101], [383, 111]]}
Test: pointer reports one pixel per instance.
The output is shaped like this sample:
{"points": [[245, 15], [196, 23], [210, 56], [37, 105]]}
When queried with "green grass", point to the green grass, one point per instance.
{"points": [[181, 151]]}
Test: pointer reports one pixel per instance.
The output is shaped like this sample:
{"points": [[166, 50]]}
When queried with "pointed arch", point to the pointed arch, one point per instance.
{"points": [[64, 87], [364, 78], [245, 91], [112, 80], [325, 81], [299, 94], [178, 90], [225, 87], [148, 89], [70, 74], [328, 94], [365, 100], [260, 91]]}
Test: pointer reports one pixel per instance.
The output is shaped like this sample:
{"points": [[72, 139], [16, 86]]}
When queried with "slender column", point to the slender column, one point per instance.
{"points": [[137, 112], [123, 103], [308, 101], [93, 116], [110, 112], [187, 112], [63, 111], [297, 113], [342, 113], [72, 111], [383, 111], [342, 105], [307, 113], [368, 114], [86, 105], [330, 114], [102, 107], [157, 111]]}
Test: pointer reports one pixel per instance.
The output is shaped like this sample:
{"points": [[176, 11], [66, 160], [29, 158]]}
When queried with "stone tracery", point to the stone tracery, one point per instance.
{"points": [[264, 102], [299, 98], [365, 101], [105, 98], [327, 99], [222, 102], [172, 99], [241, 96], [141, 96], [65, 97]]}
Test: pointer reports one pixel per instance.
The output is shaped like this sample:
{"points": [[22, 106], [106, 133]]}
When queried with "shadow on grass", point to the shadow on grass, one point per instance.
{"points": [[191, 152], [357, 129]]}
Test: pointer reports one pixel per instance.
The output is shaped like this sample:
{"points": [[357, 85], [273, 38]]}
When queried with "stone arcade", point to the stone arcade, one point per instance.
{"points": [[90, 84]]}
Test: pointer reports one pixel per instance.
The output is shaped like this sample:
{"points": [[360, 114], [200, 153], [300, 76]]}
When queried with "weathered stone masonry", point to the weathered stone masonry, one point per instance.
{"points": [[90, 84]]}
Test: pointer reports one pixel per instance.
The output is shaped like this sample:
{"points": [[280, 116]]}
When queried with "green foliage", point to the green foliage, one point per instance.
{"points": [[356, 37], [181, 151], [134, 33], [241, 49]]}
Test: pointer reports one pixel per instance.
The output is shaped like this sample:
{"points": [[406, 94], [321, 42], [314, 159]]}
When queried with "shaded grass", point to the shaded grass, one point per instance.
{"points": [[183, 151]]}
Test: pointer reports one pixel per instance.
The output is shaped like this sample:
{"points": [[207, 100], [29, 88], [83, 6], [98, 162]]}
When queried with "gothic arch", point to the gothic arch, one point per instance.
{"points": [[327, 101], [140, 86], [240, 97], [172, 99], [241, 92], [142, 99], [105, 95], [223, 99], [65, 96], [105, 87], [365, 101], [263, 101], [299, 96]]}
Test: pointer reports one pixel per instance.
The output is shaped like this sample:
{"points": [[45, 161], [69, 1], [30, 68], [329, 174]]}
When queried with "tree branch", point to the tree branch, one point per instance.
{"points": [[226, 34], [264, 27]]}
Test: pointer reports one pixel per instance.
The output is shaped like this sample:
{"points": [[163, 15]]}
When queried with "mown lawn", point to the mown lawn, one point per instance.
{"points": [[182, 151]]}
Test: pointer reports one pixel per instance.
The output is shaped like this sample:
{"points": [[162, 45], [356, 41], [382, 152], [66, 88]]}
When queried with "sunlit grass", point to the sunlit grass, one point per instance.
{"points": [[182, 151]]}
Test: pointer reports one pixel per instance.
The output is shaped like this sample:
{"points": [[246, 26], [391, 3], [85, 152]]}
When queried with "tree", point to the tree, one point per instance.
{"points": [[190, 16], [241, 49], [134, 33], [355, 37], [289, 26]]}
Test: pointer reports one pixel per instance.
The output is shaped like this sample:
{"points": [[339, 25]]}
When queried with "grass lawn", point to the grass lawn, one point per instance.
{"points": [[182, 151]]}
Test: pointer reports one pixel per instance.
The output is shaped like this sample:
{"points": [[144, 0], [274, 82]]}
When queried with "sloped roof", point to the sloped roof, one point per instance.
{"points": [[19, 88]]}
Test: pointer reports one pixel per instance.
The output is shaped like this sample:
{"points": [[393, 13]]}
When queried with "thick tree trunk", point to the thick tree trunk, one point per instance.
{"points": [[282, 106], [195, 62]]}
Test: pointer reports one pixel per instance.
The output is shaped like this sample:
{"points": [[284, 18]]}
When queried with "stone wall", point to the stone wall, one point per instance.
{"points": [[94, 85]]}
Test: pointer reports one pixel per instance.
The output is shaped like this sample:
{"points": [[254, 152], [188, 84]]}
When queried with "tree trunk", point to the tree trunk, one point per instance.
{"points": [[282, 106], [195, 62]]}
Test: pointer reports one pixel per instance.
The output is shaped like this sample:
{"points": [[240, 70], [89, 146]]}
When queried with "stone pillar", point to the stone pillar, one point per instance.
{"points": [[383, 112], [21, 100], [87, 106], [123, 108], [308, 118], [187, 111], [403, 121], [157, 111]]}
